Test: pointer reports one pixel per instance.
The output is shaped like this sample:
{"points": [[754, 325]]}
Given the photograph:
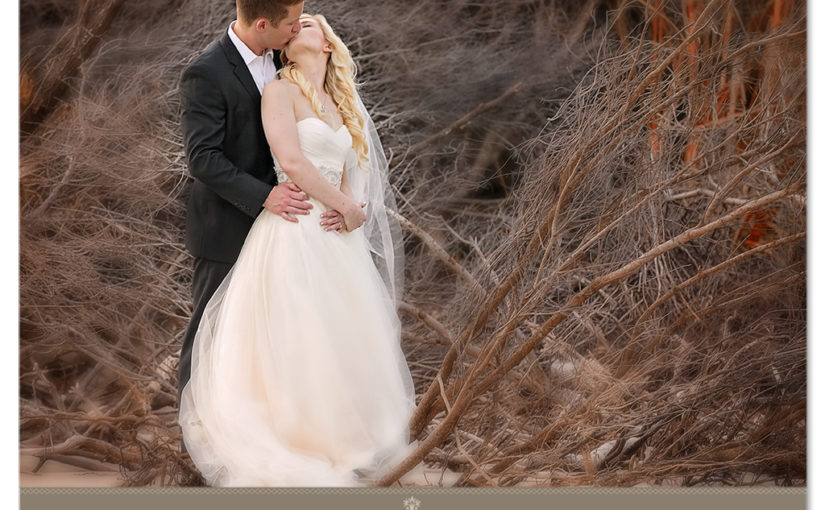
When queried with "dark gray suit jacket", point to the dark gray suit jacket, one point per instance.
{"points": [[226, 151]]}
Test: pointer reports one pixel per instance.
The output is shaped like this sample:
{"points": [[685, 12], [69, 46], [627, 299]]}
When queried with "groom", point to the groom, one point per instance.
{"points": [[226, 150]]}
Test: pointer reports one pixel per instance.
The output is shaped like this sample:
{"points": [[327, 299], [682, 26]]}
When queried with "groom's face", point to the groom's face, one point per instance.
{"points": [[276, 36]]}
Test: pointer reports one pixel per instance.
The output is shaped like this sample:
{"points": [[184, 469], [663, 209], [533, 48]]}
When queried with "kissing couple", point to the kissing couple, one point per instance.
{"points": [[291, 371]]}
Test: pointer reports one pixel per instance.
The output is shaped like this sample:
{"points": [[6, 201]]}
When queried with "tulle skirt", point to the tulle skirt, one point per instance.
{"points": [[298, 378]]}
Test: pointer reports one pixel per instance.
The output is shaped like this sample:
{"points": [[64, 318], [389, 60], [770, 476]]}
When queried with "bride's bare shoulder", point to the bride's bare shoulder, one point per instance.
{"points": [[282, 89]]}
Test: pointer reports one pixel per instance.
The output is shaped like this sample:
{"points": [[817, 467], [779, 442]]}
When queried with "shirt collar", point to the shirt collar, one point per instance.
{"points": [[246, 54]]}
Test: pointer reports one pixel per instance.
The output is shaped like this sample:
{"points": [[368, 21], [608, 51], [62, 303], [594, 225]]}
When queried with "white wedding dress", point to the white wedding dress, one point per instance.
{"points": [[298, 378]]}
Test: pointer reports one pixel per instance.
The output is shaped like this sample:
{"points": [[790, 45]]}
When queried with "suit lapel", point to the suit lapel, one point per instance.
{"points": [[241, 71]]}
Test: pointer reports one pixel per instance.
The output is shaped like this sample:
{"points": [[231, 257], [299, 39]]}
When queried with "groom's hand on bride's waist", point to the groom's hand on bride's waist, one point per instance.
{"points": [[287, 199]]}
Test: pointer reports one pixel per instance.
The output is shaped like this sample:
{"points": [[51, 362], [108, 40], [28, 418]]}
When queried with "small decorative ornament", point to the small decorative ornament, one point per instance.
{"points": [[411, 503]]}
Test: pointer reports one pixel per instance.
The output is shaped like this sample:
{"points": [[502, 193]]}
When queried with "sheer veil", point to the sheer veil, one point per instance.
{"points": [[370, 184]]}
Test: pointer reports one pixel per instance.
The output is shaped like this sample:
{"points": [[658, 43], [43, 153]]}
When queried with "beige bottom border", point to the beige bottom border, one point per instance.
{"points": [[424, 498]]}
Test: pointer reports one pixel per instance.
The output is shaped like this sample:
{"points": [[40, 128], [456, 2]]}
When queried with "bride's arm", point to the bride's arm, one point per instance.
{"points": [[345, 185], [281, 129], [332, 220], [345, 188]]}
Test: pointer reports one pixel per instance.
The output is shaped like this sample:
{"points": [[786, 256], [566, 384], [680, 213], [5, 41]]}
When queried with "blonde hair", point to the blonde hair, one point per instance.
{"points": [[339, 84]]}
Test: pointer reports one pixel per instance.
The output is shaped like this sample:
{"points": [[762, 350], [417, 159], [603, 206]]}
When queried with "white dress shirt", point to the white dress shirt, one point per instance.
{"points": [[262, 67]]}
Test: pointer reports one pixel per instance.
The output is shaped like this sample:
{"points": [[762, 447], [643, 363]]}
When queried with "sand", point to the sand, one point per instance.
{"points": [[82, 472], [54, 473]]}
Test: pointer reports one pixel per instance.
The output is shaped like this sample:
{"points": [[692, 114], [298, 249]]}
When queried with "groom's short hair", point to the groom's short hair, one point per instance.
{"points": [[273, 10]]}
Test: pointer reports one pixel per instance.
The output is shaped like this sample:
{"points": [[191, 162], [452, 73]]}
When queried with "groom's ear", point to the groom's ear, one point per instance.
{"points": [[260, 24]]}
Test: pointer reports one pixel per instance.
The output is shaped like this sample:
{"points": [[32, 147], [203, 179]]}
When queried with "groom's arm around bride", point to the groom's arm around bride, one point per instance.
{"points": [[227, 155]]}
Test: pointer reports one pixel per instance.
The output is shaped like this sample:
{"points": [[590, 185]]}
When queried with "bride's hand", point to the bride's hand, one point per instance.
{"points": [[332, 221], [355, 217]]}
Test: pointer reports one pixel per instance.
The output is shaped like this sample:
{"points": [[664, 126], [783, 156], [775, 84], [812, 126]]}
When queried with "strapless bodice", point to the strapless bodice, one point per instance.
{"points": [[325, 147]]}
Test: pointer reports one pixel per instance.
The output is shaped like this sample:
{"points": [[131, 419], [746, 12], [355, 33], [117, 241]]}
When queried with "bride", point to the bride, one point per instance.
{"points": [[298, 378]]}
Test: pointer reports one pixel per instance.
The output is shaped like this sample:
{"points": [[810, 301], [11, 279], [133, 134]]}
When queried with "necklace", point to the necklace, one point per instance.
{"points": [[324, 105]]}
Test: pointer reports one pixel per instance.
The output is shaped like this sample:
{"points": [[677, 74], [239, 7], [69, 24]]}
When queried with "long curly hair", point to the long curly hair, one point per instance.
{"points": [[339, 84]]}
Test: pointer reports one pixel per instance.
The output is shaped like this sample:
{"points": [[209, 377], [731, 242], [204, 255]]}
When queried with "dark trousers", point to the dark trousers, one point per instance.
{"points": [[207, 276]]}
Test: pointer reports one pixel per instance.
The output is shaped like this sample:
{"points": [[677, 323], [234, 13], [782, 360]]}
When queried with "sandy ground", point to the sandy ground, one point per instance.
{"points": [[54, 473], [81, 472]]}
